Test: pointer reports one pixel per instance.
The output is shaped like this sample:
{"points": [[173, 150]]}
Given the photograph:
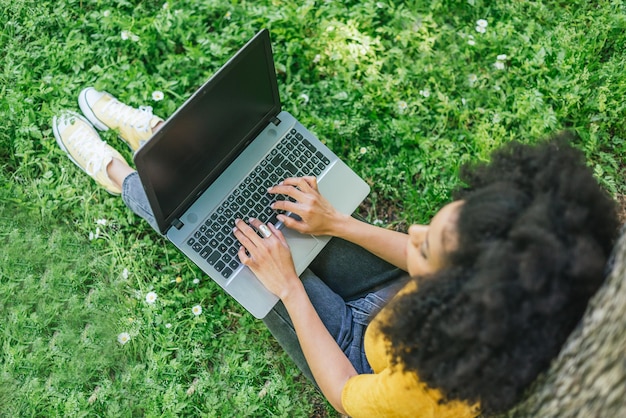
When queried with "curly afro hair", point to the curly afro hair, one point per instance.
{"points": [[534, 234]]}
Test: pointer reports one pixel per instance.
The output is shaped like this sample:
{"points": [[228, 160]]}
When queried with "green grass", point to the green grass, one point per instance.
{"points": [[404, 92]]}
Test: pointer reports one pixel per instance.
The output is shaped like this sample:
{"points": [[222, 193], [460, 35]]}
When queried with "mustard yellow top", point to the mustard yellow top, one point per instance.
{"points": [[391, 391]]}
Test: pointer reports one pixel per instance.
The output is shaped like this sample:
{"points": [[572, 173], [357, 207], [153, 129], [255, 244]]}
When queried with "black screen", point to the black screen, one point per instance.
{"points": [[209, 130]]}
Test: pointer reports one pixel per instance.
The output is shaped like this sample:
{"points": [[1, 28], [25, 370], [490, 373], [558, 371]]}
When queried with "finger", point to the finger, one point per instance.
{"points": [[244, 257], [278, 233], [292, 223], [311, 181], [305, 183], [261, 227], [290, 190], [286, 205], [245, 234], [242, 238]]}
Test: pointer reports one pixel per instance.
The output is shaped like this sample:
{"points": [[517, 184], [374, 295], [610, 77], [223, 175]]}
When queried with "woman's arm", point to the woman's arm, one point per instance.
{"points": [[328, 363], [319, 217], [270, 260]]}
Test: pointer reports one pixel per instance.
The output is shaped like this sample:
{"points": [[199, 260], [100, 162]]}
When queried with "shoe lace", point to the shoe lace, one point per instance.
{"points": [[89, 147], [124, 115]]}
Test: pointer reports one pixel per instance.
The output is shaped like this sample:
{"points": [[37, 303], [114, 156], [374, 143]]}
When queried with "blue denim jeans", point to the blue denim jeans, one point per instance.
{"points": [[346, 284]]}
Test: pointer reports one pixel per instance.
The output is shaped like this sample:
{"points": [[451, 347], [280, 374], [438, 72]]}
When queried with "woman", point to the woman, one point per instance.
{"points": [[504, 274], [499, 277]]}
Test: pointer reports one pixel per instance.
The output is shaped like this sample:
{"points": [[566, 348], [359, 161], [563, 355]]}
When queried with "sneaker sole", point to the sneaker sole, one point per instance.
{"points": [[86, 109], [57, 137]]}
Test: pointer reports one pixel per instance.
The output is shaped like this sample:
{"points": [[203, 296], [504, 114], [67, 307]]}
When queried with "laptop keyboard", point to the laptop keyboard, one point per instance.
{"points": [[293, 156]]}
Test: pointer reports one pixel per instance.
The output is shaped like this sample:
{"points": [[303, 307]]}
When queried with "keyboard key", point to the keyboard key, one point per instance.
{"points": [[309, 146], [290, 168], [213, 258], [205, 252]]}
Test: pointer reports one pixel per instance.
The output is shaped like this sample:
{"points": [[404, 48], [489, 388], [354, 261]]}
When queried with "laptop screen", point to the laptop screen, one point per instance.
{"points": [[209, 130]]}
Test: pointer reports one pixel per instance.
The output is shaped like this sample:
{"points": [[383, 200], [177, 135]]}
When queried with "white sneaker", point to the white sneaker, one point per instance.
{"points": [[134, 125], [83, 146]]}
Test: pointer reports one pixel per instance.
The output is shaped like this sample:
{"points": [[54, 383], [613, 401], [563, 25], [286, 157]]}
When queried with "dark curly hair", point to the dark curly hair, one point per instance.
{"points": [[534, 235]]}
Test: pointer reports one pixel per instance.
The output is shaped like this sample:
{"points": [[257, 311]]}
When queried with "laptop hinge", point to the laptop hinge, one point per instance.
{"points": [[276, 121], [176, 223]]}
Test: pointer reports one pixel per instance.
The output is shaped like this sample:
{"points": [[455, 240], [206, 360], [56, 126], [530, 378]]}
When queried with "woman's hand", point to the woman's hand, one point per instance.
{"points": [[317, 215], [268, 256]]}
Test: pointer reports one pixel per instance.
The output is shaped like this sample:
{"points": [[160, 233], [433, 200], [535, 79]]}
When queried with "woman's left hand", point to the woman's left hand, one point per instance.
{"points": [[268, 255]]}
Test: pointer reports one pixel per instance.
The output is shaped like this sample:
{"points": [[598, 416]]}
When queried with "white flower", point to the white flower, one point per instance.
{"points": [[304, 97], [496, 118], [227, 16], [472, 79], [499, 65], [471, 42], [342, 95], [166, 5], [363, 150], [101, 221], [94, 235], [196, 281], [106, 13], [425, 93], [501, 57], [317, 58], [126, 35], [480, 29], [168, 325], [197, 310], [123, 338], [125, 273], [157, 95], [151, 297], [380, 5], [481, 23], [463, 101], [402, 105]]}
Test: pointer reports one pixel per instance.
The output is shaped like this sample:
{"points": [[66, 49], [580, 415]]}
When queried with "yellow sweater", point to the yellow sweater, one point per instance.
{"points": [[391, 391]]}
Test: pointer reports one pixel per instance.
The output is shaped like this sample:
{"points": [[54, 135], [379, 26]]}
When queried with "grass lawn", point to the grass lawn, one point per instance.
{"points": [[404, 92]]}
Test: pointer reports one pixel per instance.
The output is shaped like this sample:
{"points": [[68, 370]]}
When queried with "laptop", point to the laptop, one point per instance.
{"points": [[213, 160]]}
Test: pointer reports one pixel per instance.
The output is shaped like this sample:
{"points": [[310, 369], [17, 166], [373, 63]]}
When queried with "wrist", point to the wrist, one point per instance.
{"points": [[343, 226], [291, 291]]}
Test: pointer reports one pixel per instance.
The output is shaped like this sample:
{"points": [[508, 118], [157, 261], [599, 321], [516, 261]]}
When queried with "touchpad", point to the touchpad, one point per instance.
{"points": [[301, 247]]}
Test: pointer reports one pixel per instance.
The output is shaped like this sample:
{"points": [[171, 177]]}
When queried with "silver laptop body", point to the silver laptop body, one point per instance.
{"points": [[213, 158]]}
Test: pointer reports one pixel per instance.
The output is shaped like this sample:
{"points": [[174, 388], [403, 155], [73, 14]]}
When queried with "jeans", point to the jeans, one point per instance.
{"points": [[346, 284]]}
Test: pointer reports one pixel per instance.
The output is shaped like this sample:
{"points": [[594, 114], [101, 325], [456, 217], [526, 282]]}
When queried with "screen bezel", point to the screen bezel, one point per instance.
{"points": [[165, 133]]}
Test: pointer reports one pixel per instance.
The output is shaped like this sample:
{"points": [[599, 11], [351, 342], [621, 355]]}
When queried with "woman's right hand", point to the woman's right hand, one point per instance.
{"points": [[317, 215]]}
